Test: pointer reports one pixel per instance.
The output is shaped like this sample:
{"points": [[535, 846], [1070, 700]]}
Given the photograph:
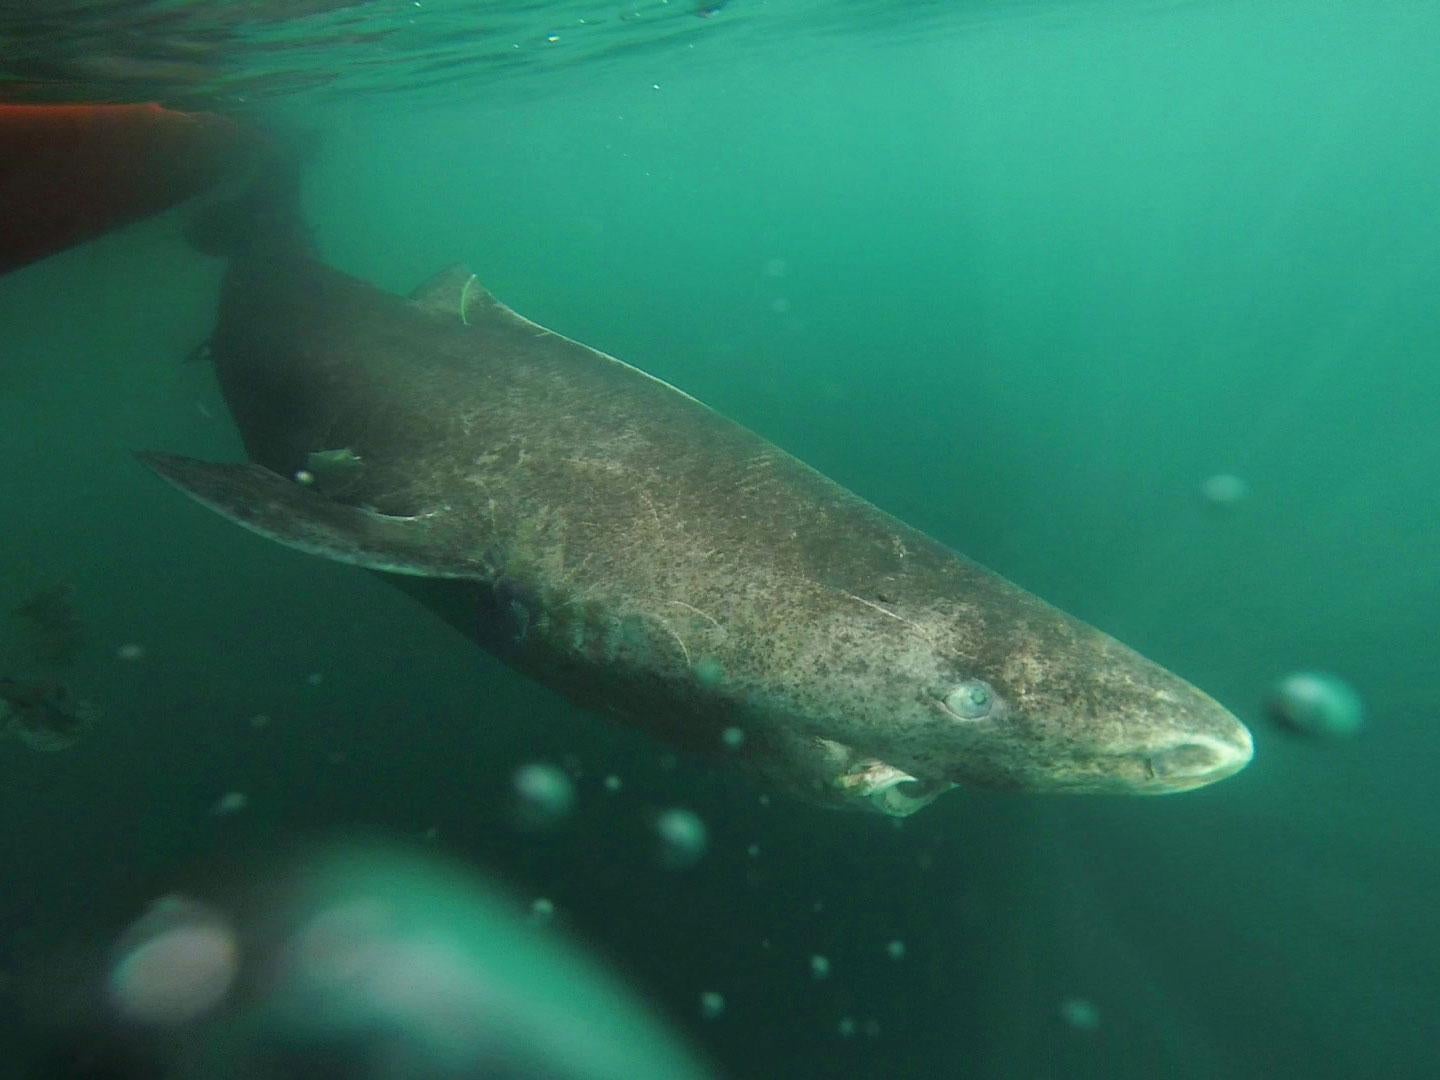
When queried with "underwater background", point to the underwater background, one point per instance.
{"points": [[1024, 275]]}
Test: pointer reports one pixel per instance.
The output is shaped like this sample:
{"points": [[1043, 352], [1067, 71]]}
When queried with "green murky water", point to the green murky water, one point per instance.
{"points": [[1025, 276]]}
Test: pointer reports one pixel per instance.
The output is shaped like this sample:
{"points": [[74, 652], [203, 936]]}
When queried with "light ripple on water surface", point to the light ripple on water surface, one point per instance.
{"points": [[232, 53]]}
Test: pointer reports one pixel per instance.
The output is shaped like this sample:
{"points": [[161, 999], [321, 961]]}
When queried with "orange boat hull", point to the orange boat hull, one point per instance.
{"points": [[71, 172]]}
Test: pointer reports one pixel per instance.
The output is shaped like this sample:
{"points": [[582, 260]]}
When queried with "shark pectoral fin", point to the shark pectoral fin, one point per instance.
{"points": [[300, 517], [888, 789]]}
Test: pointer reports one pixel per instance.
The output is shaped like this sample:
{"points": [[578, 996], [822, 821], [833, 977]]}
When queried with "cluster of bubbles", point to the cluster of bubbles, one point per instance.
{"points": [[543, 796]]}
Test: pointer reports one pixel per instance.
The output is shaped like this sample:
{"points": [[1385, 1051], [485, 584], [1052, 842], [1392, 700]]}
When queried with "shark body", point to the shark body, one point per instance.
{"points": [[609, 535]]}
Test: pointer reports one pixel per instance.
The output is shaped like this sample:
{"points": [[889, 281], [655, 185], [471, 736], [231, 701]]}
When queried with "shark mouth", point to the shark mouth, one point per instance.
{"points": [[888, 790]]}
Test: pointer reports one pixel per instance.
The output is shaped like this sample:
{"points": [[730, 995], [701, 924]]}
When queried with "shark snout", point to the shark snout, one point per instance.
{"points": [[1198, 760]]}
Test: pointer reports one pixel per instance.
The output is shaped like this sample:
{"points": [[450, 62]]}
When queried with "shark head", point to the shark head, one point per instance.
{"points": [[996, 690], [1070, 709]]}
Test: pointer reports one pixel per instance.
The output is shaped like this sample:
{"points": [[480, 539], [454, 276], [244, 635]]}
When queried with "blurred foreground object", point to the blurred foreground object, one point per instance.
{"points": [[71, 172], [355, 961], [1314, 703]]}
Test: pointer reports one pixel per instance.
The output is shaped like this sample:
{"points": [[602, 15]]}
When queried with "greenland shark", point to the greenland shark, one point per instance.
{"points": [[609, 535]]}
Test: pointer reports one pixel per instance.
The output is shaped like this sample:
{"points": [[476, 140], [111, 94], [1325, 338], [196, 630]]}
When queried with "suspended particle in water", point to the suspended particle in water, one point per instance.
{"points": [[709, 672], [1314, 703], [176, 962], [1082, 1014], [232, 802], [895, 950], [683, 838], [613, 783], [819, 966], [711, 1004], [871, 1028], [780, 305], [544, 796], [304, 477], [50, 628], [43, 715], [846, 1027], [776, 267], [733, 738], [753, 851], [542, 910], [315, 678], [1224, 489], [131, 651], [260, 720]]}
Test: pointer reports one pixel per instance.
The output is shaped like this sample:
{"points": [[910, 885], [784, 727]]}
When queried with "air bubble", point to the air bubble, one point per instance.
{"points": [[1082, 1014], [1224, 489], [232, 802], [683, 839], [1314, 703], [544, 796]]}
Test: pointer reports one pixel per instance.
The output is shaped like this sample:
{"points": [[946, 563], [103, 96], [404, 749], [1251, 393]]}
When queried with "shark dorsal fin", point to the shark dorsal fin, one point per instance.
{"points": [[447, 292], [456, 291]]}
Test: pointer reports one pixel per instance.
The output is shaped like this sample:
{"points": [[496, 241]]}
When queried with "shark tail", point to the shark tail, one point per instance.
{"points": [[265, 213]]}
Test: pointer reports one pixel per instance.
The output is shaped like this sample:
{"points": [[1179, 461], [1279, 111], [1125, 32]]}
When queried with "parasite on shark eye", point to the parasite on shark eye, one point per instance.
{"points": [[971, 700]]}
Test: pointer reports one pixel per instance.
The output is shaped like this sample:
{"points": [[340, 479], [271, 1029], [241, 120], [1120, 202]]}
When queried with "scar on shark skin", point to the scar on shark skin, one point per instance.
{"points": [[704, 615], [671, 631], [886, 611]]}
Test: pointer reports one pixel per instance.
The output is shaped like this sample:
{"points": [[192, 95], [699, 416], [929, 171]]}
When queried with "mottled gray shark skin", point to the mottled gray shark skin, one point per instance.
{"points": [[656, 562]]}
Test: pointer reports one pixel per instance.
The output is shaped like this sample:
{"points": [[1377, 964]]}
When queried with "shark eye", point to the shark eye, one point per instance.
{"points": [[971, 700]]}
